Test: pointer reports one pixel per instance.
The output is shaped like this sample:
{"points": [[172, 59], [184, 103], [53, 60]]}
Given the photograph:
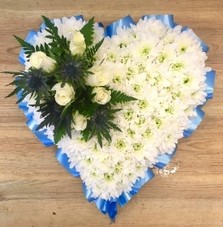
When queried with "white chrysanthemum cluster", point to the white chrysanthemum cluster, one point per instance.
{"points": [[164, 69]]}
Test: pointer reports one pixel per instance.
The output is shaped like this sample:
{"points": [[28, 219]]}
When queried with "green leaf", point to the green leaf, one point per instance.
{"points": [[112, 111], [112, 125], [86, 134], [99, 137], [73, 70], [49, 24], [66, 122], [59, 45], [105, 133], [120, 97], [28, 48], [15, 91], [67, 108], [90, 52], [98, 45], [88, 32], [93, 50], [100, 124], [59, 132]]}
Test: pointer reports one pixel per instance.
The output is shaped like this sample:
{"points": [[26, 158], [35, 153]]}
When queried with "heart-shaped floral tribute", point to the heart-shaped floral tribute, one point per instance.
{"points": [[116, 100]]}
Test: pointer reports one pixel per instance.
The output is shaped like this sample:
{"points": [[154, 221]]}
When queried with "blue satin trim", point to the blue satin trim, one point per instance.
{"points": [[210, 80], [40, 134], [204, 46], [164, 159], [31, 123], [194, 123], [105, 206], [124, 22], [126, 196], [110, 206], [64, 161]]}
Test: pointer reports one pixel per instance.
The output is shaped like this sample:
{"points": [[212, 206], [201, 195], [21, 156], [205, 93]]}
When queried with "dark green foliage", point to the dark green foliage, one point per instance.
{"points": [[59, 46], [33, 82], [73, 70], [52, 113], [100, 124], [90, 53], [88, 32], [28, 48], [120, 97], [44, 48]]}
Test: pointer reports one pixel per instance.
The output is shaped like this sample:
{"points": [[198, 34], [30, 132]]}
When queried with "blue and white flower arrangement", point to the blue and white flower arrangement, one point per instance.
{"points": [[115, 101]]}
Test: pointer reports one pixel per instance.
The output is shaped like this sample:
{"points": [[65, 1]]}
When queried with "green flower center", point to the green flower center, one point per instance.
{"points": [[177, 66], [137, 146], [120, 144]]}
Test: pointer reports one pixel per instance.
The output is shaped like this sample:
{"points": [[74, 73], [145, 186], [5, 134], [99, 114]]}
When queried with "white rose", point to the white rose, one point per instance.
{"points": [[80, 121], [98, 78], [102, 96], [63, 94], [77, 43], [40, 60]]}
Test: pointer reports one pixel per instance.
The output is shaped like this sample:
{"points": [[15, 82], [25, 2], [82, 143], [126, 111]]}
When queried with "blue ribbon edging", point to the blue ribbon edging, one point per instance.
{"points": [[31, 123], [112, 28], [105, 206], [110, 206]]}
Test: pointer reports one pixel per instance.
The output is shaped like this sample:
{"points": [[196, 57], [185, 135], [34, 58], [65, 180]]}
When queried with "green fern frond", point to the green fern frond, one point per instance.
{"points": [[88, 32], [28, 48], [120, 97]]}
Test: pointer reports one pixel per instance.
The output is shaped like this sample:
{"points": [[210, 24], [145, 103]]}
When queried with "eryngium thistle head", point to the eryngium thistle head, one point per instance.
{"points": [[99, 119], [36, 80], [71, 70]]}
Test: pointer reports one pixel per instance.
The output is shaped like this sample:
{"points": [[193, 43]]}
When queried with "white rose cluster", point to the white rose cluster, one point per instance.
{"points": [[40, 60], [63, 94], [79, 121], [102, 95], [99, 77], [77, 43], [164, 69]]}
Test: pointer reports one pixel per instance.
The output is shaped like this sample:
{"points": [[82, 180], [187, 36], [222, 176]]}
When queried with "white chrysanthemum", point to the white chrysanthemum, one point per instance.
{"points": [[67, 26], [164, 69]]}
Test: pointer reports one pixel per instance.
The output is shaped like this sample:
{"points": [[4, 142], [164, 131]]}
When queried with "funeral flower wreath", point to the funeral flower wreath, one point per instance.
{"points": [[115, 100]]}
